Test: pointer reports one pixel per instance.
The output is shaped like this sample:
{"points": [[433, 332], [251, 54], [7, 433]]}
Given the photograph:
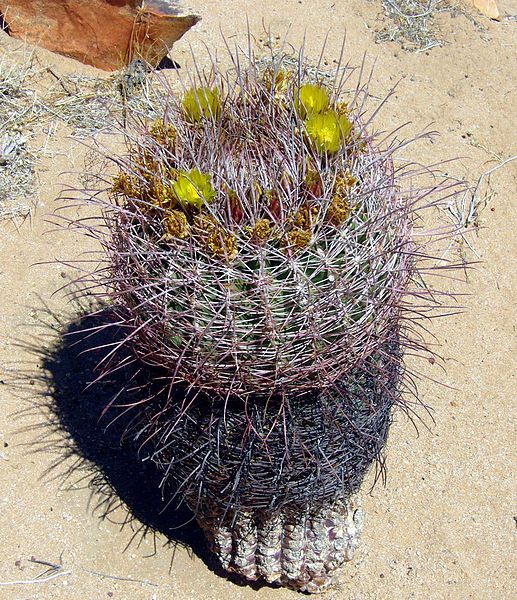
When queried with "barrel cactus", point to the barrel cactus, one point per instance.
{"points": [[261, 237], [260, 256]]}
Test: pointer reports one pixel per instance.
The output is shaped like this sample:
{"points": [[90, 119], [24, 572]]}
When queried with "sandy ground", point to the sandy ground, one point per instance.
{"points": [[444, 524]]}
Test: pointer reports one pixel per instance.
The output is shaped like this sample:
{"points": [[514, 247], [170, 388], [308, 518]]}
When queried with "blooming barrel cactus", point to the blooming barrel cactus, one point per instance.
{"points": [[260, 255], [277, 248]]}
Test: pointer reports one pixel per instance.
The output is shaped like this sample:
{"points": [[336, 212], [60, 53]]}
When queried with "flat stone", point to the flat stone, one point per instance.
{"points": [[107, 34], [487, 7]]}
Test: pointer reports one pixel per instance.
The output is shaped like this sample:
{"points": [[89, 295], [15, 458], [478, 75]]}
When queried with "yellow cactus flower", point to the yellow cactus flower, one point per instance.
{"points": [[327, 131], [193, 188], [312, 99], [202, 102], [176, 225]]}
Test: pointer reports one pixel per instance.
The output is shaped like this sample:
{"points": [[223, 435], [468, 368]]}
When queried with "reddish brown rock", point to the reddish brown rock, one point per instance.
{"points": [[104, 33]]}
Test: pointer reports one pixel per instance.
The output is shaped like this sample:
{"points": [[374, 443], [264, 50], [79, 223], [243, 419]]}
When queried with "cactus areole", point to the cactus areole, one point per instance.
{"points": [[261, 259]]}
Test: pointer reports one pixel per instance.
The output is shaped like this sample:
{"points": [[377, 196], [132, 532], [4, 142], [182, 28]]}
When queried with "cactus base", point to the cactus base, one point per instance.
{"points": [[302, 550]]}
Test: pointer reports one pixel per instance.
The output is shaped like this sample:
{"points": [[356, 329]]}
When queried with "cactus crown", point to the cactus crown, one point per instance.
{"points": [[260, 240]]}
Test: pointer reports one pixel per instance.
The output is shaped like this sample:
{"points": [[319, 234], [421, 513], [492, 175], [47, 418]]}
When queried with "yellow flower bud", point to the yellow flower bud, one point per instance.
{"points": [[202, 102], [193, 188], [327, 131], [312, 99]]}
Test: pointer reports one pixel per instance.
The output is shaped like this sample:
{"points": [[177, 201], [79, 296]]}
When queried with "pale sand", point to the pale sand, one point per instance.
{"points": [[443, 527]]}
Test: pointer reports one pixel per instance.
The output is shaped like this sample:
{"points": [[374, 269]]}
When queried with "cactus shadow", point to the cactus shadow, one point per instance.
{"points": [[94, 452]]}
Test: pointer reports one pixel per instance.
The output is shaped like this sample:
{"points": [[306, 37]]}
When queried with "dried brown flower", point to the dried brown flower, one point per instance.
{"points": [[176, 225], [163, 134], [299, 238], [215, 237], [344, 181], [338, 210], [163, 194], [126, 184], [306, 217], [221, 243], [261, 231]]}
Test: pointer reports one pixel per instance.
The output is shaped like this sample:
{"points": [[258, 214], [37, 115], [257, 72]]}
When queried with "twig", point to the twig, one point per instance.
{"points": [[36, 580], [493, 169], [105, 575], [45, 563], [466, 215], [61, 82], [58, 572], [497, 157]]}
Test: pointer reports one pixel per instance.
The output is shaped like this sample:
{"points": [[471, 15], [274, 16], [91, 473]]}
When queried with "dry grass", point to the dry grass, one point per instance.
{"points": [[92, 105], [465, 210], [413, 23], [34, 99], [17, 175], [19, 111]]}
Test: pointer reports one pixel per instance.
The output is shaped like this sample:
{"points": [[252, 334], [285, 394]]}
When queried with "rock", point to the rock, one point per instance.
{"points": [[107, 34], [488, 8]]}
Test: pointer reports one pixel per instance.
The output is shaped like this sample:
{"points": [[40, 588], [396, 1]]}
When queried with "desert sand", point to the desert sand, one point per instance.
{"points": [[443, 525]]}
